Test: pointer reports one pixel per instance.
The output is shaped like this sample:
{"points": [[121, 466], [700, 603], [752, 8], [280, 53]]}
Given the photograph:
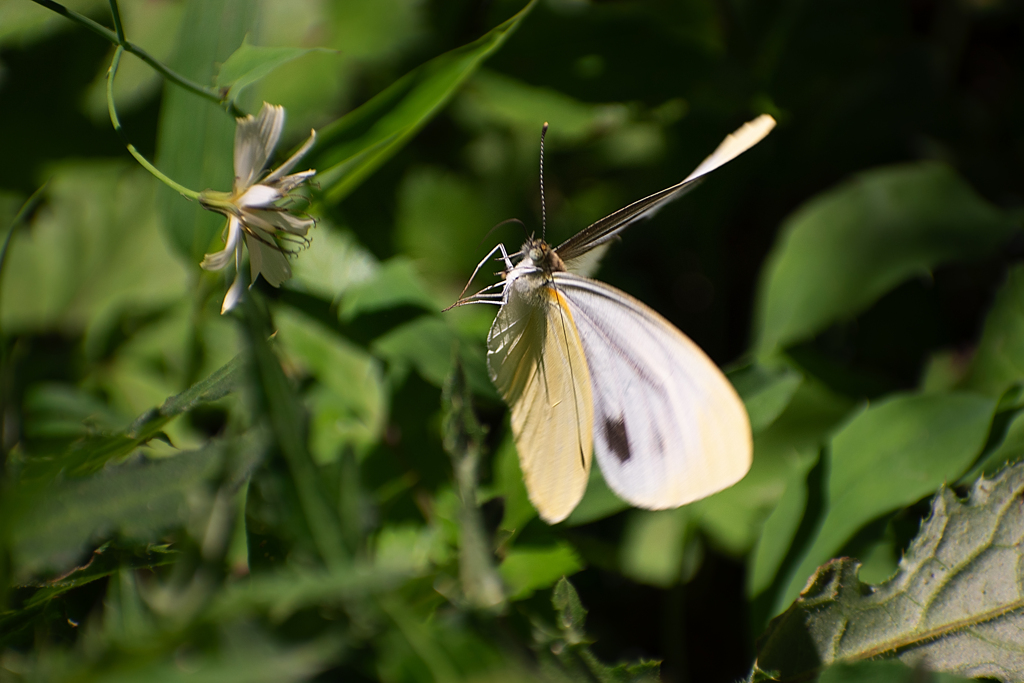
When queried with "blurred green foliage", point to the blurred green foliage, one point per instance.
{"points": [[323, 485]]}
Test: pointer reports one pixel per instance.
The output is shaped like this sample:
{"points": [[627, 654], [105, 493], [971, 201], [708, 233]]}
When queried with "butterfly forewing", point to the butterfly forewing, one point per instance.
{"points": [[745, 137], [536, 361], [605, 229], [668, 426]]}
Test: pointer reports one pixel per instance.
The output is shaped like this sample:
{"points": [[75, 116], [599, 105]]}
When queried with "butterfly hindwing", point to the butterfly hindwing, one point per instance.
{"points": [[536, 361], [668, 426]]}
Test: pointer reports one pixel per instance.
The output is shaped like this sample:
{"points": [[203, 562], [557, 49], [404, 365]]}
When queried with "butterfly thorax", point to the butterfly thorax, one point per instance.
{"points": [[541, 256], [533, 273]]}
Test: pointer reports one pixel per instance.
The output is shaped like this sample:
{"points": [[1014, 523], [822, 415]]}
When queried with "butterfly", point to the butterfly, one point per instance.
{"points": [[588, 370]]}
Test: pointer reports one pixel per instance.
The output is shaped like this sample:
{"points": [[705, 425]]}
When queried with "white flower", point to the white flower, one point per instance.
{"points": [[258, 208]]}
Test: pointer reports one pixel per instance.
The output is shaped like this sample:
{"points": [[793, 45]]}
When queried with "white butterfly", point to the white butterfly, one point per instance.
{"points": [[586, 368]]}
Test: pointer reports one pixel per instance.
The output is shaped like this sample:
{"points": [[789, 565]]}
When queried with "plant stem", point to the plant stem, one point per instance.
{"points": [[115, 13], [463, 440], [215, 95], [111, 72]]}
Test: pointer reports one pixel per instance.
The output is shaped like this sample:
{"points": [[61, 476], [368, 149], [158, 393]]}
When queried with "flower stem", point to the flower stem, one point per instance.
{"points": [[111, 72], [118, 28], [117, 38]]}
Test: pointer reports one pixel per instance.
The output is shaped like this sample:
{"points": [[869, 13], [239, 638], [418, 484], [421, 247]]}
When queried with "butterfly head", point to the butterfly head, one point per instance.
{"points": [[542, 256]]}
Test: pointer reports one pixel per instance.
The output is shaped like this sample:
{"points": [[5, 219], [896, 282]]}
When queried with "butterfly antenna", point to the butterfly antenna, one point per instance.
{"points": [[504, 222], [543, 209]]}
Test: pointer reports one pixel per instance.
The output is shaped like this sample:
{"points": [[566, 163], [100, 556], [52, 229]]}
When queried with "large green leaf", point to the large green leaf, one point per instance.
{"points": [[196, 137], [889, 456], [440, 218], [765, 392], [955, 605], [884, 671], [285, 417], [526, 569], [348, 402], [508, 483], [847, 247], [781, 525], [93, 250], [999, 359], [395, 283], [354, 146], [281, 593], [658, 547], [89, 454], [733, 518], [52, 528], [249, 63], [426, 344], [334, 264]]}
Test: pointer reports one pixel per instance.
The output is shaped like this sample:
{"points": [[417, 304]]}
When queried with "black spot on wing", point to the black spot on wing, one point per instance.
{"points": [[615, 435]]}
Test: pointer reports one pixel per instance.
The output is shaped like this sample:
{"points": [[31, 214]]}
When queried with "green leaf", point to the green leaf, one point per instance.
{"points": [[250, 63], [56, 411], [781, 525], [572, 616], [847, 247], [999, 359], [440, 218], [426, 344], [508, 483], [1009, 450], [348, 401], [640, 672], [395, 283], [492, 99], [134, 502], [527, 569], [243, 654], [657, 548], [598, 502], [733, 518], [354, 146], [91, 453], [955, 605], [92, 251], [765, 392], [286, 419], [888, 456], [196, 137], [576, 660], [334, 264], [281, 593], [104, 561], [885, 672]]}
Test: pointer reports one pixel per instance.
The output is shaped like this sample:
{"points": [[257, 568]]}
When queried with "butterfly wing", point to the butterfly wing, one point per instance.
{"points": [[669, 428], [574, 248], [536, 361]]}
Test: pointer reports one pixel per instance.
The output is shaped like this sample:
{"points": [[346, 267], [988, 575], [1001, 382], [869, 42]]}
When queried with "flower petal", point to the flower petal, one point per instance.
{"points": [[265, 259], [281, 170], [277, 220], [259, 196], [217, 260], [255, 139], [290, 182], [234, 294]]}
